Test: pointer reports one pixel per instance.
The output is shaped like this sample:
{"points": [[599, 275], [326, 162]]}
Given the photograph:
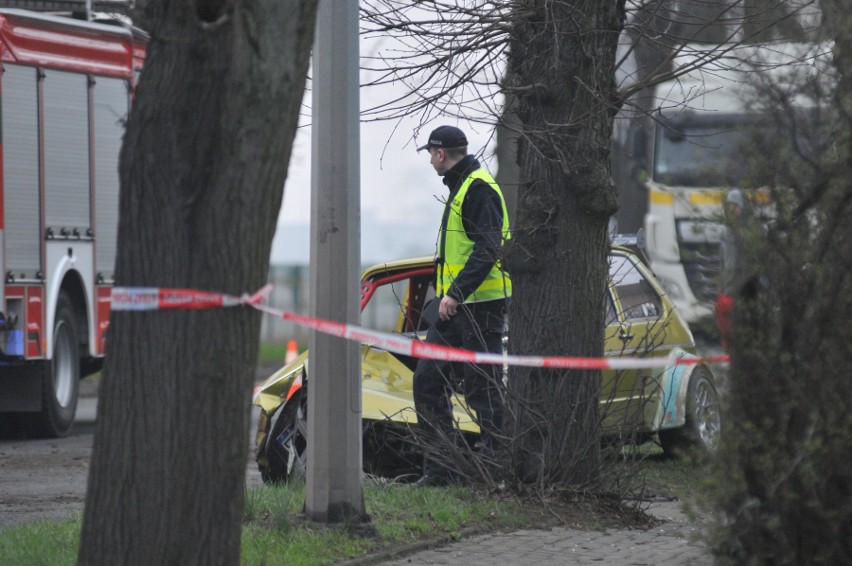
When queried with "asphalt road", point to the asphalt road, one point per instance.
{"points": [[46, 479]]}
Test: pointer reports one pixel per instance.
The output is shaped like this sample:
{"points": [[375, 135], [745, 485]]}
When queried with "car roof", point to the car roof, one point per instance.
{"points": [[397, 265], [428, 261]]}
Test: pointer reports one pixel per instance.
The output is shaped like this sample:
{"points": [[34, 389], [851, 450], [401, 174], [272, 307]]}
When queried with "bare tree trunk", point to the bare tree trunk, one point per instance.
{"points": [[562, 57], [202, 173], [506, 151]]}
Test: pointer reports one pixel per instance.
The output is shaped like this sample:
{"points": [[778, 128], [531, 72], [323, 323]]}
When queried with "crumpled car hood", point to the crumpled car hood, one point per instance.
{"points": [[386, 389]]}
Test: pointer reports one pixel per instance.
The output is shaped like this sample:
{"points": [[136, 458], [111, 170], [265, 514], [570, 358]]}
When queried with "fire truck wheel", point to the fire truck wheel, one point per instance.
{"points": [[60, 376]]}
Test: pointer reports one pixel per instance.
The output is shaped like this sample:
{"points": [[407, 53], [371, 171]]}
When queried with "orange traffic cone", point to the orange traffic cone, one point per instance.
{"points": [[292, 352]]}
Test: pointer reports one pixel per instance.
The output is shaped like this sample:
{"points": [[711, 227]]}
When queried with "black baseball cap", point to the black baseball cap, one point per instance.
{"points": [[445, 137]]}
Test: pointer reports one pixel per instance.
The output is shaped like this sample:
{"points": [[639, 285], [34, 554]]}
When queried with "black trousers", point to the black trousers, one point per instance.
{"points": [[478, 327]]}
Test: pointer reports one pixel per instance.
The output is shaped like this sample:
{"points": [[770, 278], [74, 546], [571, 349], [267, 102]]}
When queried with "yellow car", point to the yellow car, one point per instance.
{"points": [[678, 403]]}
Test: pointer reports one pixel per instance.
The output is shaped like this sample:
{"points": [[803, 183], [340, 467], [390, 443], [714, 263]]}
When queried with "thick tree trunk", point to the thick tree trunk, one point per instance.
{"points": [[202, 173], [508, 170], [562, 59]]}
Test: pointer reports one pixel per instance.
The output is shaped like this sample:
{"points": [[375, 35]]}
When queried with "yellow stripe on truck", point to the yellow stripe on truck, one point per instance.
{"points": [[707, 197], [658, 197]]}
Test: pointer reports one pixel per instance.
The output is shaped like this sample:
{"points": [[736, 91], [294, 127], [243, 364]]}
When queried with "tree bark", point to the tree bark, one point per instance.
{"points": [[562, 58], [202, 172]]}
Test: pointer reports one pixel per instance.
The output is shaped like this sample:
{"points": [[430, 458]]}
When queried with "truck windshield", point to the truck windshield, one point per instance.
{"points": [[701, 156]]}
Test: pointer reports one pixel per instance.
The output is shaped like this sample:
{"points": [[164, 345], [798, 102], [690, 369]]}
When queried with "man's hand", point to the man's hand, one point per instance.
{"points": [[448, 307]]}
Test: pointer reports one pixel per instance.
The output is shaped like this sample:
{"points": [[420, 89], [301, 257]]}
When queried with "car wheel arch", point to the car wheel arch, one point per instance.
{"points": [[694, 420], [674, 386]]}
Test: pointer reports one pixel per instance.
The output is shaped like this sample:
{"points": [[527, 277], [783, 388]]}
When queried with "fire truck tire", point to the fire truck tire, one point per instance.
{"points": [[60, 376]]}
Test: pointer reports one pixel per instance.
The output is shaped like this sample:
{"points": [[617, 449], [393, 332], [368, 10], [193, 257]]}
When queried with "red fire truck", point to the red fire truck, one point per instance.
{"points": [[65, 92]]}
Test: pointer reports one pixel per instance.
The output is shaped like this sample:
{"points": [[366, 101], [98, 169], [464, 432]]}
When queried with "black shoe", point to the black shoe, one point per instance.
{"points": [[433, 480]]}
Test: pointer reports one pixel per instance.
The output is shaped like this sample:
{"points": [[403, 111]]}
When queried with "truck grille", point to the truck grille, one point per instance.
{"points": [[702, 263]]}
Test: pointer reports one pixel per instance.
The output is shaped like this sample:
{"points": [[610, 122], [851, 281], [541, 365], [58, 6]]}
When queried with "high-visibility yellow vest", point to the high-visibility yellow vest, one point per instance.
{"points": [[455, 247]]}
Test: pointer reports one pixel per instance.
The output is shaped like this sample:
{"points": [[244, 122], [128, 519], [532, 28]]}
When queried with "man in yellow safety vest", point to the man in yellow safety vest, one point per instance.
{"points": [[472, 291]]}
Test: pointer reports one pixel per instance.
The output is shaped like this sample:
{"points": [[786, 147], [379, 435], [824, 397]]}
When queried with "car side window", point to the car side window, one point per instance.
{"points": [[386, 306], [396, 300], [639, 300], [421, 291], [610, 316]]}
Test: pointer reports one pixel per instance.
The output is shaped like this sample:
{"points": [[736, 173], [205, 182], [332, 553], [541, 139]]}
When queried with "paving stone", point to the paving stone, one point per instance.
{"points": [[668, 544]]}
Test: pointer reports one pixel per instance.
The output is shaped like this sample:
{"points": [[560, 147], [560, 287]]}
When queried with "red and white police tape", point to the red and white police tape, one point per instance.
{"points": [[154, 298]]}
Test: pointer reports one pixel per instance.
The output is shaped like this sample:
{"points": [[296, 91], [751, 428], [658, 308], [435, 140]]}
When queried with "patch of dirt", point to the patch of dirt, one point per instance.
{"points": [[44, 479], [587, 512]]}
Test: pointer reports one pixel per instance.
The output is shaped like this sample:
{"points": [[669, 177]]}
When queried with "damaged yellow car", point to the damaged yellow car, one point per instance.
{"points": [[678, 403]]}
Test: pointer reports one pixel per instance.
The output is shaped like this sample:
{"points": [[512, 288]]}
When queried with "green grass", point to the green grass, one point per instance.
{"points": [[681, 478], [399, 515], [647, 473], [673, 478], [272, 354], [43, 543], [274, 533]]}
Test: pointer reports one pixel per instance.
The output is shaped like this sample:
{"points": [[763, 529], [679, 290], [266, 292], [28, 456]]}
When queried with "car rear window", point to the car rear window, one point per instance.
{"points": [[639, 300]]}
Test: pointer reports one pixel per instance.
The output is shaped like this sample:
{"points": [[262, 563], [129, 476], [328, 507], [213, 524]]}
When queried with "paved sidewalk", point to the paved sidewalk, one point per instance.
{"points": [[671, 543]]}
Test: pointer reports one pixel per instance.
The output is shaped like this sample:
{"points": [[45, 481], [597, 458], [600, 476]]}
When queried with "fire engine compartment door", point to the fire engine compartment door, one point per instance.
{"points": [[21, 199], [66, 153], [111, 103]]}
